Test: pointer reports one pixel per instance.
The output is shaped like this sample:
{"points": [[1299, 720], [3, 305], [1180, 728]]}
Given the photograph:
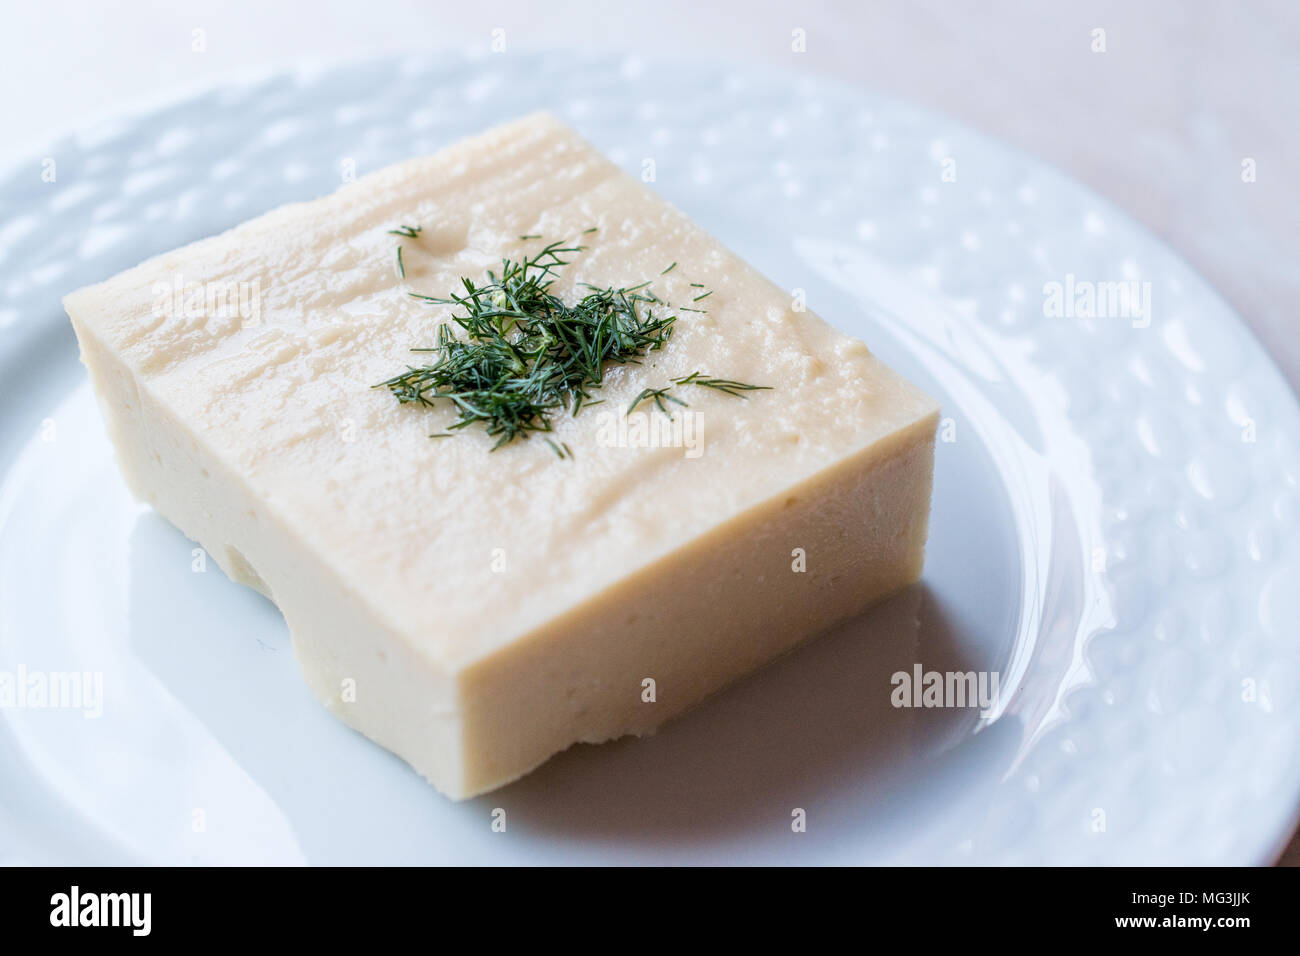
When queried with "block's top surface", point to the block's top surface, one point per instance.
{"points": [[460, 549]]}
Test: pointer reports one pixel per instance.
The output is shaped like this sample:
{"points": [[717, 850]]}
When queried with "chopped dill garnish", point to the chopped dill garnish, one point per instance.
{"points": [[697, 285], [704, 296], [587, 232], [406, 232], [525, 353], [530, 236]]}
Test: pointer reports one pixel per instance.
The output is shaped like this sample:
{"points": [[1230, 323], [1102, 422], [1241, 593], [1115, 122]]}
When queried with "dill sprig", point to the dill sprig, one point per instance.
{"points": [[406, 232], [725, 385], [561, 449], [659, 395], [525, 353]]}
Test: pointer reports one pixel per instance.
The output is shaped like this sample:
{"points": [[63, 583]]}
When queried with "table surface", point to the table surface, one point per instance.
{"points": [[1185, 94]]}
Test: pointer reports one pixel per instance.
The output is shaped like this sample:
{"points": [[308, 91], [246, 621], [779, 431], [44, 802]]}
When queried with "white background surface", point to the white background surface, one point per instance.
{"points": [[1160, 122]]}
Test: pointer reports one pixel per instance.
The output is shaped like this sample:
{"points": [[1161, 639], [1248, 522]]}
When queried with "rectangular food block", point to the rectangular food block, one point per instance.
{"points": [[478, 611]]}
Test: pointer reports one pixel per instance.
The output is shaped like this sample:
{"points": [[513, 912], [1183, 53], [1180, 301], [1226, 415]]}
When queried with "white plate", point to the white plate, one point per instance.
{"points": [[1114, 525]]}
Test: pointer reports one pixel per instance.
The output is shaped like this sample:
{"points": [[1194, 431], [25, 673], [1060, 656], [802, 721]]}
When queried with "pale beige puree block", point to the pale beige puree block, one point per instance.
{"points": [[475, 611]]}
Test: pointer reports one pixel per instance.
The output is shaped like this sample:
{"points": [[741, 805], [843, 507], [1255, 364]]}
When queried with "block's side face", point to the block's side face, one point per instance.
{"points": [[355, 667], [734, 600]]}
